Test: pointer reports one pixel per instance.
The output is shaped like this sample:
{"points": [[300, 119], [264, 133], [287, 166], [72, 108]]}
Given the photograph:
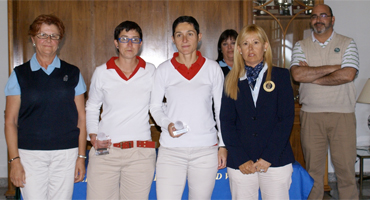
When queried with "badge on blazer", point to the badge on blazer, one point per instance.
{"points": [[269, 86], [65, 78], [336, 50]]}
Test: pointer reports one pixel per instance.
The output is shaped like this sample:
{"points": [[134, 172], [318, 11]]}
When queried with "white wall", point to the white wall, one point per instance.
{"points": [[3, 78], [351, 19]]}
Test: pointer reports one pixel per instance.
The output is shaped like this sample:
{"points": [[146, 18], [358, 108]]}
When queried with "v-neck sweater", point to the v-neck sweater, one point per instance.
{"points": [[125, 104], [189, 101]]}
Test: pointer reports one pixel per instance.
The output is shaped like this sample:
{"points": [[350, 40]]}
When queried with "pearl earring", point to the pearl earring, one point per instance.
{"points": [[34, 45], [241, 53], [265, 49], [117, 47]]}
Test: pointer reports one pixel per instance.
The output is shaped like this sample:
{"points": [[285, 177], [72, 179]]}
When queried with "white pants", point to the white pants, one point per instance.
{"points": [[49, 174], [274, 184], [197, 164]]}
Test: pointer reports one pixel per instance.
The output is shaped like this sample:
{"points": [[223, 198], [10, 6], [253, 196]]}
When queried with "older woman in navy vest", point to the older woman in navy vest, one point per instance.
{"points": [[257, 113], [45, 118]]}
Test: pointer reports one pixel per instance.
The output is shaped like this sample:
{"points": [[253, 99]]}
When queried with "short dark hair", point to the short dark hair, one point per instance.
{"points": [[331, 11], [229, 33], [187, 19], [127, 26], [49, 20]]}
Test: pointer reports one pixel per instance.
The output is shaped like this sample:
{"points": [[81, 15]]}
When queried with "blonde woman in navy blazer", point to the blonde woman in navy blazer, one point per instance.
{"points": [[257, 114]]}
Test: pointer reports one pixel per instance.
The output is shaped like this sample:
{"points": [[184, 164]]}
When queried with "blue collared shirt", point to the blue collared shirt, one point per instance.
{"points": [[12, 86], [222, 63]]}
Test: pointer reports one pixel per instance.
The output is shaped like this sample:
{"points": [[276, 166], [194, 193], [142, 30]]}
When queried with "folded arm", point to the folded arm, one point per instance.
{"points": [[338, 77], [305, 74]]}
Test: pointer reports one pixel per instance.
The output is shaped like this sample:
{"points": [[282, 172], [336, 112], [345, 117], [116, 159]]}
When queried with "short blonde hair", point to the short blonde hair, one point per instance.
{"points": [[238, 69]]}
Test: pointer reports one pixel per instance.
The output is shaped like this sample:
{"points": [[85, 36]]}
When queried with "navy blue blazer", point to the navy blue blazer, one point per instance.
{"points": [[250, 132]]}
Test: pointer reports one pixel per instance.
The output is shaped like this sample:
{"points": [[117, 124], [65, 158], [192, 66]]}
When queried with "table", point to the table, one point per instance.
{"points": [[363, 152], [300, 188]]}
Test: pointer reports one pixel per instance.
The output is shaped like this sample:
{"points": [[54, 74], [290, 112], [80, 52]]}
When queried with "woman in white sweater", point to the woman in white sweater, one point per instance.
{"points": [[122, 86], [189, 82]]}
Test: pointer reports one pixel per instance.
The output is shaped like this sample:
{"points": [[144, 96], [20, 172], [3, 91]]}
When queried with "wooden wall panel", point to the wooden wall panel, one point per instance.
{"points": [[90, 24], [77, 41], [213, 18], [151, 18]]}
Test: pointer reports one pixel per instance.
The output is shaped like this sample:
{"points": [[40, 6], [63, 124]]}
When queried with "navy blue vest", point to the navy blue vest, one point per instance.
{"points": [[48, 115]]}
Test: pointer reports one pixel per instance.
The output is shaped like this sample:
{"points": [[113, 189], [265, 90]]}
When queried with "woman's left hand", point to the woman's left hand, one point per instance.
{"points": [[222, 156], [80, 170], [262, 165]]}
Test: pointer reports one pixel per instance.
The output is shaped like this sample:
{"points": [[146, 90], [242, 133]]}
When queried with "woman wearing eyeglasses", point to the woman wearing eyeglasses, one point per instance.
{"points": [[45, 118], [189, 82], [122, 86]]}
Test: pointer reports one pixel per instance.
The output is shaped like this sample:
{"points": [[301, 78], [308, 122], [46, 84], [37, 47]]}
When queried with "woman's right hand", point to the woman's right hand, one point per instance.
{"points": [[171, 129], [97, 144], [17, 174], [247, 167]]}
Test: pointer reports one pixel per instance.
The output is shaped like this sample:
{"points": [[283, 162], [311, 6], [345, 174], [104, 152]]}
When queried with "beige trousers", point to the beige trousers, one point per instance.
{"points": [[337, 131], [121, 174], [49, 174], [196, 164]]}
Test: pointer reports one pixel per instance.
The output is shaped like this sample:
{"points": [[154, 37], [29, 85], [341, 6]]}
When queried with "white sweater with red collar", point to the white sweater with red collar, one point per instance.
{"points": [[189, 101], [125, 115]]}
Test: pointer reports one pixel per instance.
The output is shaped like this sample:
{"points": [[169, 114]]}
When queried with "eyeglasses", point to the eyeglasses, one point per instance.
{"points": [[126, 40], [45, 36], [322, 15]]}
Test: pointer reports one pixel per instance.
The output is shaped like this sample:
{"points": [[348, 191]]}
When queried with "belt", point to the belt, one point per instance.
{"points": [[131, 144]]}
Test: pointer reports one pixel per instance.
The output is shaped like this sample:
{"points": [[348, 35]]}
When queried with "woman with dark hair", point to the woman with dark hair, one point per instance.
{"points": [[45, 118], [189, 82], [257, 115], [225, 50], [125, 168]]}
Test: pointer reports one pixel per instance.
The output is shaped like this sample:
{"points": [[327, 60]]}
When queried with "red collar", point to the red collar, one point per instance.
{"points": [[112, 65], [193, 70]]}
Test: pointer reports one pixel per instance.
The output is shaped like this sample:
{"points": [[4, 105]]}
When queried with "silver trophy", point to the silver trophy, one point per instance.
{"points": [[261, 2], [102, 151], [308, 3], [286, 7], [180, 128], [279, 3]]}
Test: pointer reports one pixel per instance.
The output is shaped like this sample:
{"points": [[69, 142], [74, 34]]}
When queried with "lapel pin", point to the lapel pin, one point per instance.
{"points": [[269, 86]]}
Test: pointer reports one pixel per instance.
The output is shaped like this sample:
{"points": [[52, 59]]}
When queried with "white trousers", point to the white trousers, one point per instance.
{"points": [[49, 174], [196, 164], [274, 184]]}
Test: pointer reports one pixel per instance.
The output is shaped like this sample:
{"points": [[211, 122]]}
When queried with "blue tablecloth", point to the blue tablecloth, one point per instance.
{"points": [[299, 189]]}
